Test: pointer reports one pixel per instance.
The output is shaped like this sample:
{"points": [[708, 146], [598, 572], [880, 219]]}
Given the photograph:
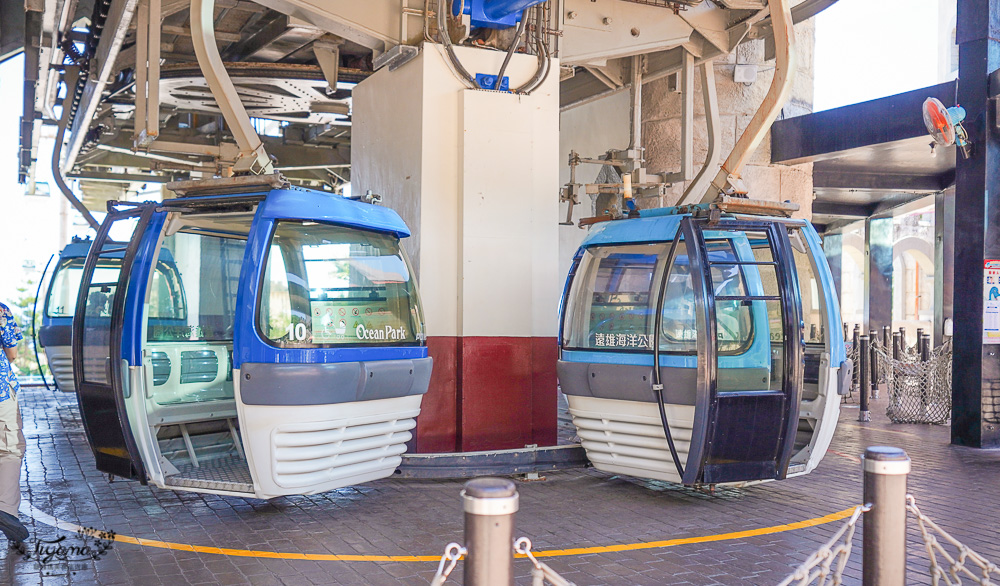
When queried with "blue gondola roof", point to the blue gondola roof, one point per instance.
{"points": [[311, 205], [78, 248], [637, 230]]}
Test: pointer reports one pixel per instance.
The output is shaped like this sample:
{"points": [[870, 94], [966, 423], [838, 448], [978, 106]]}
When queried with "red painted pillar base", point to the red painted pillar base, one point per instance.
{"points": [[489, 393]]}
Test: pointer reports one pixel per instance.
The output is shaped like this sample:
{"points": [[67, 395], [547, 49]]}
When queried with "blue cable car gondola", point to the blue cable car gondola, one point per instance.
{"points": [[55, 333], [740, 315], [284, 355]]}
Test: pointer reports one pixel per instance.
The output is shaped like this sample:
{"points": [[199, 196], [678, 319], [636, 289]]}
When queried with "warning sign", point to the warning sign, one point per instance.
{"points": [[991, 302]]}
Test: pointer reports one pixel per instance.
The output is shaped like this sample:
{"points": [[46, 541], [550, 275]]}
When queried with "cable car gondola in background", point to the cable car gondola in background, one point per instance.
{"points": [[55, 333], [740, 315], [284, 354]]}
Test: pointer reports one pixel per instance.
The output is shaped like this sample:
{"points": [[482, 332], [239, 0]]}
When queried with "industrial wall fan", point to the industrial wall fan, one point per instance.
{"points": [[945, 125]]}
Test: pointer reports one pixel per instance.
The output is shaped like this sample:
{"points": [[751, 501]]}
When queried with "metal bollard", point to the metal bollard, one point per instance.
{"points": [[864, 356], [896, 345], [857, 348], [490, 504], [886, 337], [925, 356], [902, 335], [884, 525], [873, 365]]}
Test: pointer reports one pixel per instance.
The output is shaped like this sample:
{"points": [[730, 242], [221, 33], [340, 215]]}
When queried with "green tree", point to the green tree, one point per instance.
{"points": [[21, 308]]}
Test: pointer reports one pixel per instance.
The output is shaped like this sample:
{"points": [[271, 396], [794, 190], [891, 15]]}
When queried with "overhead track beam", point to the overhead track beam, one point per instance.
{"points": [[101, 68], [147, 73]]}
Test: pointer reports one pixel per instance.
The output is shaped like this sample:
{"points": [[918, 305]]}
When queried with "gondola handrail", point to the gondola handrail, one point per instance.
{"points": [[657, 381], [34, 320]]}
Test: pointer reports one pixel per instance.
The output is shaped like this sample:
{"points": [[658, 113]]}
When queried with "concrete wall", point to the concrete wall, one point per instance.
{"points": [[737, 103], [475, 175], [590, 130], [594, 128]]}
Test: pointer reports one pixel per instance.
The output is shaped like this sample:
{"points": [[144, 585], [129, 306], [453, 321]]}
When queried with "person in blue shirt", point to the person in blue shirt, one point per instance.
{"points": [[11, 439]]}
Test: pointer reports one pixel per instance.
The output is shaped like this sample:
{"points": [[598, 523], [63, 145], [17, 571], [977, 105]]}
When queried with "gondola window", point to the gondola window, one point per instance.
{"points": [[191, 318], [330, 285], [613, 298]]}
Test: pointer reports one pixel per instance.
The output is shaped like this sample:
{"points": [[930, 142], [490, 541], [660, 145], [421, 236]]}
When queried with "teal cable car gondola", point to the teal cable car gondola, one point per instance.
{"points": [[740, 316]]}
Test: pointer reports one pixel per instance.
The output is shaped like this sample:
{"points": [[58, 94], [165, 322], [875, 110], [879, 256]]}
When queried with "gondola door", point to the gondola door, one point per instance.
{"points": [[97, 343], [750, 351]]}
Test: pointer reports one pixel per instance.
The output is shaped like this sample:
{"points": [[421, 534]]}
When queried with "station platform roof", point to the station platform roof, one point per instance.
{"points": [[869, 157]]}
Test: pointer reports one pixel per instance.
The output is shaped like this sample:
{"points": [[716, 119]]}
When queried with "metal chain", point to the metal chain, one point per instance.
{"points": [[956, 570], [541, 572], [452, 553], [820, 563]]}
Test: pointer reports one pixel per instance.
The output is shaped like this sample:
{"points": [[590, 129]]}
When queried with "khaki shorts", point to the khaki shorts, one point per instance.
{"points": [[11, 439]]}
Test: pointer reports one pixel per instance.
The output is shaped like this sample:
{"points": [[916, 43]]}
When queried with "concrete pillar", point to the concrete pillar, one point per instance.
{"points": [[944, 261], [878, 273], [475, 176], [975, 419]]}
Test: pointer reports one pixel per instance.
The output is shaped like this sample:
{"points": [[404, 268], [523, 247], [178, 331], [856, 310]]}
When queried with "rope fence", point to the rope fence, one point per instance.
{"points": [[541, 573], [884, 519], [820, 566], [490, 505], [917, 378], [919, 384], [490, 548], [933, 535], [945, 567]]}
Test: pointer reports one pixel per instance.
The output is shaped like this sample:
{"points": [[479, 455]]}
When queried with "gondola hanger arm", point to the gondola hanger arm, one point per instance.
{"points": [[728, 180], [252, 157]]}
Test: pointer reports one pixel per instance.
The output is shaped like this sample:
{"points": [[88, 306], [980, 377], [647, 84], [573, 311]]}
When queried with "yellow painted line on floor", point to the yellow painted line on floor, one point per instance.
{"points": [[47, 519], [879, 429], [705, 539], [854, 459]]}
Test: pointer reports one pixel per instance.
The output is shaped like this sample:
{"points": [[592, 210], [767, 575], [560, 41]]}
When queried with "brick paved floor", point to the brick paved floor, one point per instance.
{"points": [[959, 487]]}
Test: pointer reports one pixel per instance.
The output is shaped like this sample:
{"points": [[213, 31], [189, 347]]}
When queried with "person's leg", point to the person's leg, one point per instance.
{"points": [[11, 452], [12, 446]]}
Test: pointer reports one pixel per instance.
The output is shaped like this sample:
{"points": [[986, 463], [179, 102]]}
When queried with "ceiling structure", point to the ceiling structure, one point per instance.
{"points": [[282, 55]]}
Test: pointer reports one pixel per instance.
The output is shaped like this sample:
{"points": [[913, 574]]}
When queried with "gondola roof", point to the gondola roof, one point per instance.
{"points": [[317, 206]]}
